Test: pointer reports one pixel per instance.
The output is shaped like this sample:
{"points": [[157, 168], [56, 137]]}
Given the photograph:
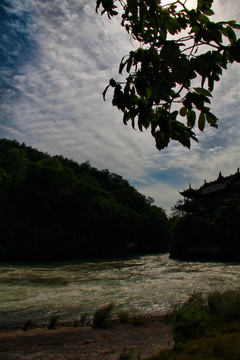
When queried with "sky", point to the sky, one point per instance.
{"points": [[56, 58]]}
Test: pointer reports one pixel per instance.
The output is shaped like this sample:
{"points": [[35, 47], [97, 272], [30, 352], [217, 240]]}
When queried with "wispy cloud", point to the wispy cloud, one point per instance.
{"points": [[58, 58]]}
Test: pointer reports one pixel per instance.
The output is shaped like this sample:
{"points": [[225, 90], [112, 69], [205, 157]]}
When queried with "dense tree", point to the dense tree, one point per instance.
{"points": [[205, 234], [172, 74], [52, 208]]}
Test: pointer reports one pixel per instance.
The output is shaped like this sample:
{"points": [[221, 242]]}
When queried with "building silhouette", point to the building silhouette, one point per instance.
{"points": [[212, 194]]}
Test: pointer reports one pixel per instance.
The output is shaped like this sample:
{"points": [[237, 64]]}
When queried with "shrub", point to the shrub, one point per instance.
{"points": [[124, 316], [54, 322], [191, 320], [218, 346], [128, 354], [103, 314], [28, 325], [82, 320], [224, 306]]}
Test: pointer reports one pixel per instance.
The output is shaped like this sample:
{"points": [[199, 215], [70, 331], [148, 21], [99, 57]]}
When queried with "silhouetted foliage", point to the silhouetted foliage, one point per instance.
{"points": [[53, 208], [172, 74], [207, 235]]}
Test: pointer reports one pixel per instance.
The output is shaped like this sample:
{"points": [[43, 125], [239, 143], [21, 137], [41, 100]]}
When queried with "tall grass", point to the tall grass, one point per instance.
{"points": [[191, 320], [103, 314], [224, 306], [28, 325], [123, 316], [54, 322]]}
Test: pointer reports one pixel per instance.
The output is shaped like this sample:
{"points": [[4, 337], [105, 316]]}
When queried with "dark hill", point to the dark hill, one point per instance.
{"points": [[52, 208]]}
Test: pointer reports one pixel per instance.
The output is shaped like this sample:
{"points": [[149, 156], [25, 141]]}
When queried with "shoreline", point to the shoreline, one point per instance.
{"points": [[76, 323], [86, 342]]}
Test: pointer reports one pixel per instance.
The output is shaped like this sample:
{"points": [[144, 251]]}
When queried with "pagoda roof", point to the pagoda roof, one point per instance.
{"points": [[219, 184], [191, 193]]}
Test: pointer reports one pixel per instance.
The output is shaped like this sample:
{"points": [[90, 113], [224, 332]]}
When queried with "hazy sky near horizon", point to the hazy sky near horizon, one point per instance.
{"points": [[56, 58]]}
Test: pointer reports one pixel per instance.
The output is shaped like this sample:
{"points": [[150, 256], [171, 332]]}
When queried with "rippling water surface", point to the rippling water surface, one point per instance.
{"points": [[150, 284]]}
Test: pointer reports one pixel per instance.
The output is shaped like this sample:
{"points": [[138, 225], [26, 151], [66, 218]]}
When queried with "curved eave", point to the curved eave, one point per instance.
{"points": [[189, 193]]}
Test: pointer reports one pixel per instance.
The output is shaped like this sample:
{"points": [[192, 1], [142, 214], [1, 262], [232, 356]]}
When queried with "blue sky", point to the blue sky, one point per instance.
{"points": [[57, 56]]}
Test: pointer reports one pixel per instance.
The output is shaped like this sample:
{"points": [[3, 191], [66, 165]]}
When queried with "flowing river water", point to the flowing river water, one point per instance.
{"points": [[148, 284]]}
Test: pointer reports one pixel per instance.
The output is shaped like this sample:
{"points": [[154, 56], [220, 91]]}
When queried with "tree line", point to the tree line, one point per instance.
{"points": [[52, 208], [205, 234]]}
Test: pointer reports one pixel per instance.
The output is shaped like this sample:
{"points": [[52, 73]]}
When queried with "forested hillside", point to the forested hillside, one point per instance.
{"points": [[52, 208]]}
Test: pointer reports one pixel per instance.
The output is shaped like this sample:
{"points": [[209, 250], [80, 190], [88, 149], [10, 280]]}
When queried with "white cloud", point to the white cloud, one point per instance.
{"points": [[54, 103]]}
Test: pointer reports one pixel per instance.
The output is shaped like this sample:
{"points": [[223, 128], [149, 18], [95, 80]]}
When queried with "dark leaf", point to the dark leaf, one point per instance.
{"points": [[172, 25], [104, 92], [113, 83], [129, 63], [182, 134], [233, 24], [203, 19], [133, 124], [231, 35], [236, 26], [202, 91], [98, 4], [174, 114], [191, 118], [183, 111], [170, 53], [122, 65], [215, 32], [201, 121], [204, 5], [208, 12], [224, 31], [212, 119], [210, 83], [162, 139]]}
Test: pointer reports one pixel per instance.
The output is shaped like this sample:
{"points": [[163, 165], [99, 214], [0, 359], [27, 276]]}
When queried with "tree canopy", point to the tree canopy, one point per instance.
{"points": [[171, 76], [52, 208]]}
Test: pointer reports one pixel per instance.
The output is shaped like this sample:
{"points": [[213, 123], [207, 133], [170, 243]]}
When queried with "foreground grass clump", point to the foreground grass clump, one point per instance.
{"points": [[123, 316], [214, 347], [81, 321], [54, 322], [29, 324], [224, 307], [129, 354], [192, 320], [102, 315], [206, 328]]}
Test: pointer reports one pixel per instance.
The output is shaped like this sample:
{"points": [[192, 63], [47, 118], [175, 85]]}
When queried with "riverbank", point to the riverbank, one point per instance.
{"points": [[85, 343]]}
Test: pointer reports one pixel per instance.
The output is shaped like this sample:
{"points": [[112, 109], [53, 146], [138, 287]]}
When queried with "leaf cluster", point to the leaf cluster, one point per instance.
{"points": [[177, 46]]}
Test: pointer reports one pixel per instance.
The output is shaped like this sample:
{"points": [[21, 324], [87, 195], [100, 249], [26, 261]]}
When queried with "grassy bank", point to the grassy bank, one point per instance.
{"points": [[205, 327]]}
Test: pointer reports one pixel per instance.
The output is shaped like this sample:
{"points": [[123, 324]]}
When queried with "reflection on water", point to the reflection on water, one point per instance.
{"points": [[151, 284]]}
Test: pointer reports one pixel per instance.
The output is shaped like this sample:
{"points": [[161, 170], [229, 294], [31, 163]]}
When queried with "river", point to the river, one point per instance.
{"points": [[150, 284]]}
